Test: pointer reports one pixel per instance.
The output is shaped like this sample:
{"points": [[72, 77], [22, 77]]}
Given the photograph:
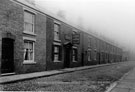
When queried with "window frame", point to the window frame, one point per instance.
{"points": [[75, 55], [95, 55], [33, 22], [89, 58], [90, 42], [57, 32], [33, 56], [59, 53]]}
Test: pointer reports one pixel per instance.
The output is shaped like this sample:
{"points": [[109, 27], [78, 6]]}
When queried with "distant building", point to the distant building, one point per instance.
{"points": [[125, 56]]}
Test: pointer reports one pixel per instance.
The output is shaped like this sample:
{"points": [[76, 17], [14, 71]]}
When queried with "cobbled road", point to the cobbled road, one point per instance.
{"points": [[90, 80]]}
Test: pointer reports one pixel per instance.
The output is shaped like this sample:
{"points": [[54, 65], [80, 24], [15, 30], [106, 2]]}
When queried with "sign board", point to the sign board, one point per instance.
{"points": [[76, 38], [67, 37]]}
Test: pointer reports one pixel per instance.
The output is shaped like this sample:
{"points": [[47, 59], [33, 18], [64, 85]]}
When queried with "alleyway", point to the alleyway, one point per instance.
{"points": [[90, 80]]}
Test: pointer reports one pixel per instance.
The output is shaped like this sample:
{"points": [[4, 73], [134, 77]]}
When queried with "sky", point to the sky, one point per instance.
{"points": [[113, 19]]}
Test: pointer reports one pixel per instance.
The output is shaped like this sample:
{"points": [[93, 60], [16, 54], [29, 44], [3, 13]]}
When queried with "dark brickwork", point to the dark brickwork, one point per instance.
{"points": [[11, 16], [66, 33], [40, 45], [0, 47], [85, 50], [49, 31], [65, 37]]}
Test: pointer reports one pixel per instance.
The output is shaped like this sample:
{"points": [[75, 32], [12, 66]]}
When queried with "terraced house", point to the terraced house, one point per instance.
{"points": [[34, 40]]}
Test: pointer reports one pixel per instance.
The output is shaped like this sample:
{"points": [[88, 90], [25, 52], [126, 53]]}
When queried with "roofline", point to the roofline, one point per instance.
{"points": [[45, 12]]}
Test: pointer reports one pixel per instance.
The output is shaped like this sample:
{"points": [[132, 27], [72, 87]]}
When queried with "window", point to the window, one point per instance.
{"points": [[95, 55], [89, 55], [89, 44], [28, 22], [74, 54], [96, 43], [56, 31], [28, 51], [57, 53]]}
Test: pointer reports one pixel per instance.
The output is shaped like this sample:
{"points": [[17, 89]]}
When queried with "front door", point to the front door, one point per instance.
{"points": [[67, 56], [7, 64]]}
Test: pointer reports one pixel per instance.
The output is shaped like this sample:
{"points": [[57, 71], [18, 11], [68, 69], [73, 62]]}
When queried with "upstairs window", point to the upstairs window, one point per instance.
{"points": [[89, 44], [28, 22], [96, 43], [56, 31]]}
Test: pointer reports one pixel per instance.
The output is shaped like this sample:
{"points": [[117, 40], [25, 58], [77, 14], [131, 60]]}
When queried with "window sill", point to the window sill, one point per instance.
{"points": [[56, 61], [29, 33], [57, 43], [89, 60], [74, 61], [29, 62], [56, 40]]}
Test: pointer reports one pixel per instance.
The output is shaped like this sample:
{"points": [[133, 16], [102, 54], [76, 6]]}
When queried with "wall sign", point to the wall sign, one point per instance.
{"points": [[76, 38]]}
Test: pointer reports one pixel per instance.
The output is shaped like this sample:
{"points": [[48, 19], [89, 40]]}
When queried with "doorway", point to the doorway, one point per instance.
{"points": [[99, 59], [67, 55], [7, 64]]}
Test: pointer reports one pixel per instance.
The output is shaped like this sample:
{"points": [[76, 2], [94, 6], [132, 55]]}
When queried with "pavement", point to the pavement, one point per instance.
{"points": [[20, 77], [125, 84]]}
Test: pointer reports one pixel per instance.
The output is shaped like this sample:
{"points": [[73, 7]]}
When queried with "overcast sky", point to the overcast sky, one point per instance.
{"points": [[115, 19]]}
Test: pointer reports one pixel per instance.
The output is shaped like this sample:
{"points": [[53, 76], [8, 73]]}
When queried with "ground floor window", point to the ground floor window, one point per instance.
{"points": [[74, 54], [57, 55], [95, 55], [89, 55], [28, 51]]}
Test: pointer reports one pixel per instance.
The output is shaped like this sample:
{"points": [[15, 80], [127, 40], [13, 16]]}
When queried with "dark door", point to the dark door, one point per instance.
{"points": [[7, 64], [67, 57], [82, 59]]}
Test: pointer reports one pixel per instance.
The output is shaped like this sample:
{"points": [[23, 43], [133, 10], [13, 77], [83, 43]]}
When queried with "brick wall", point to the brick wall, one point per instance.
{"points": [[50, 63], [40, 45], [0, 48], [12, 18]]}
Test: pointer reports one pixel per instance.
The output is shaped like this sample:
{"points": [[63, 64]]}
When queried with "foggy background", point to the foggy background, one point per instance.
{"points": [[113, 20]]}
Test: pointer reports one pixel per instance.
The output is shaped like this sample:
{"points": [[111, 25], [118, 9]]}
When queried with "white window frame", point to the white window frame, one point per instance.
{"points": [[58, 24], [90, 42], [95, 53], [73, 59], [89, 57], [33, 43], [33, 28], [57, 45]]}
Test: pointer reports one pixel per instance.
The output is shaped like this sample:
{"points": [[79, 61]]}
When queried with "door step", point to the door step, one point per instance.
{"points": [[6, 74]]}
